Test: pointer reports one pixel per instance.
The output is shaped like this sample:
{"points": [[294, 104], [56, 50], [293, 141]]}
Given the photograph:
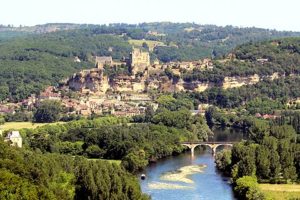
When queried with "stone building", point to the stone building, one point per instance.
{"points": [[103, 60], [139, 60], [14, 138]]}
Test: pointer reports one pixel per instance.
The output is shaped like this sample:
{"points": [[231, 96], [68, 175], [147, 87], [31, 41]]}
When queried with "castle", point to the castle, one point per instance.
{"points": [[138, 61]]}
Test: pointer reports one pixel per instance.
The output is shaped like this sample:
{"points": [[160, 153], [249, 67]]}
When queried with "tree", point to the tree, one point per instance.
{"points": [[247, 188], [262, 162], [135, 161], [94, 151], [145, 46], [223, 161], [48, 111], [2, 120], [149, 114]]}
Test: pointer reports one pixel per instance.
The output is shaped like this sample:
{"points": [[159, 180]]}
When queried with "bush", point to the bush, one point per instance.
{"points": [[247, 188]]}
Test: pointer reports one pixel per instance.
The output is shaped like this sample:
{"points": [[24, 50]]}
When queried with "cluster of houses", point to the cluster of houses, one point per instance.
{"points": [[125, 104], [121, 104], [266, 116]]}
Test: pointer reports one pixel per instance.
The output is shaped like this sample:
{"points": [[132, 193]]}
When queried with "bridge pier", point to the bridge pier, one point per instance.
{"points": [[192, 148], [212, 145]]}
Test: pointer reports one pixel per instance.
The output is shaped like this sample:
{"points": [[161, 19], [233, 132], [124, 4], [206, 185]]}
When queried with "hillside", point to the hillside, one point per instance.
{"points": [[280, 56], [34, 57], [28, 64]]}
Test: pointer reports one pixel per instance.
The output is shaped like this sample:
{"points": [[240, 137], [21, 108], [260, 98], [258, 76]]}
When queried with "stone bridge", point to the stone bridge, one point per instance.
{"points": [[212, 145]]}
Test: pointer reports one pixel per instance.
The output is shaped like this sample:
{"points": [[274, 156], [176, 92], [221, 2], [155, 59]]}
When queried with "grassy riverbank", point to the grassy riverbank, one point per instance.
{"points": [[282, 191]]}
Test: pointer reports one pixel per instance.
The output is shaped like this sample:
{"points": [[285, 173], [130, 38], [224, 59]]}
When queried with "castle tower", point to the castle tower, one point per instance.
{"points": [[139, 60]]}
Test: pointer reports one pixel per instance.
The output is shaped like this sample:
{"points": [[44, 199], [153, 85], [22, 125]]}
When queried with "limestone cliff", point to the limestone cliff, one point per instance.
{"points": [[94, 81], [89, 80], [233, 82]]}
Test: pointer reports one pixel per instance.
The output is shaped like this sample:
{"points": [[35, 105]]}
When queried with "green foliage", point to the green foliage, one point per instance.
{"points": [[13, 187], [29, 64], [247, 188], [94, 151], [113, 138], [281, 54], [262, 97], [2, 120], [135, 161], [223, 161], [26, 174], [271, 156], [101, 180], [179, 119], [48, 111]]}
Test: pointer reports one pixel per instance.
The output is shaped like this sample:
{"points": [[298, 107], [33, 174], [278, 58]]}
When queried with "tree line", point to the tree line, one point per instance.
{"points": [[31, 175]]}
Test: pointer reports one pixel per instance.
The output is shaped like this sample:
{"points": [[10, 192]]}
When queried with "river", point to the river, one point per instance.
{"points": [[185, 178]]}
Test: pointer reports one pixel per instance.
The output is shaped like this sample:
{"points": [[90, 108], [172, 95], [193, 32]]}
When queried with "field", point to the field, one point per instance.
{"points": [[118, 162], [20, 125], [282, 191], [150, 43]]}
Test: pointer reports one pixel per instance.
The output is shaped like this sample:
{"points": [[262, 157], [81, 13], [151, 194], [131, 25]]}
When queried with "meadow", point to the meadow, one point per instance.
{"points": [[281, 191]]}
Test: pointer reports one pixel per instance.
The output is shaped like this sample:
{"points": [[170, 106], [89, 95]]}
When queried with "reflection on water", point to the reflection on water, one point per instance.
{"points": [[227, 134]]}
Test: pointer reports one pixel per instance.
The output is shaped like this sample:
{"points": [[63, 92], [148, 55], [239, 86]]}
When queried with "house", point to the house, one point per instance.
{"points": [[14, 138], [77, 60]]}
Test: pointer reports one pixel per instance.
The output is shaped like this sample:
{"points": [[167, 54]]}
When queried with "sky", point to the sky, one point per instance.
{"points": [[272, 14]]}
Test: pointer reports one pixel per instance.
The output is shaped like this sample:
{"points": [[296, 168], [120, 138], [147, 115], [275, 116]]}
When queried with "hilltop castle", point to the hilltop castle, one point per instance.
{"points": [[138, 61]]}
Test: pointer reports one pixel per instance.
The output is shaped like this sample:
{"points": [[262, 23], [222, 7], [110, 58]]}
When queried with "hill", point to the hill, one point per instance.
{"points": [[34, 57], [280, 56], [30, 63]]}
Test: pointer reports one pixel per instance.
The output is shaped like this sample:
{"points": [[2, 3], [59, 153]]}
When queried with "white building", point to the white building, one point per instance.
{"points": [[14, 138]]}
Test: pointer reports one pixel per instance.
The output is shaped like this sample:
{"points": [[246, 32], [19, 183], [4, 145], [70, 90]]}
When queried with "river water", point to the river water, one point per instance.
{"points": [[190, 178]]}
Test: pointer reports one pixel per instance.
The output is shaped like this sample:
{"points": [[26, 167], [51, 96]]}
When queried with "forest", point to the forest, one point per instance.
{"points": [[31, 175], [264, 97], [280, 56]]}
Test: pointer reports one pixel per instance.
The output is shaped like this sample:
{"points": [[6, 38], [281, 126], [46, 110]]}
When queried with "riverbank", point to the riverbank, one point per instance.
{"points": [[280, 191]]}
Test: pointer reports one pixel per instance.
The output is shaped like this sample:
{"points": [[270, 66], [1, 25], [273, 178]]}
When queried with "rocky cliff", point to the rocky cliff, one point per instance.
{"points": [[94, 81]]}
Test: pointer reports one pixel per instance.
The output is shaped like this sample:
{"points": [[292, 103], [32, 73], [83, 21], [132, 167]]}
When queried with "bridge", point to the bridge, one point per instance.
{"points": [[212, 145]]}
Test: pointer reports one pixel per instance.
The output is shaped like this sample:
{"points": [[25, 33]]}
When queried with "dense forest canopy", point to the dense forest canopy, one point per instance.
{"points": [[31, 175]]}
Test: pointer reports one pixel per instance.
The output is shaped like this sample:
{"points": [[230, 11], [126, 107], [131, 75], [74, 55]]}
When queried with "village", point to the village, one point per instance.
{"points": [[93, 92]]}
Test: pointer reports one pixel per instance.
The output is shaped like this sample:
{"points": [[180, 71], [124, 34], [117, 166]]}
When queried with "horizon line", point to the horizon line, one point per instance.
{"points": [[138, 23]]}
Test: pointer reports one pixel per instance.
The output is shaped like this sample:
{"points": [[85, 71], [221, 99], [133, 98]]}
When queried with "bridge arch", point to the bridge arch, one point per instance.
{"points": [[212, 145]]}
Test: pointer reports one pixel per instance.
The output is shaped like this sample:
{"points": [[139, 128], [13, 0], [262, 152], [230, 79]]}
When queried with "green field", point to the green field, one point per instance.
{"points": [[20, 125], [118, 162], [150, 43], [281, 191]]}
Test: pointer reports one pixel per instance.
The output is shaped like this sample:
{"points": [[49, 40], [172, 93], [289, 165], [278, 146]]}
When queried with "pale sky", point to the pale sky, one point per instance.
{"points": [[273, 14]]}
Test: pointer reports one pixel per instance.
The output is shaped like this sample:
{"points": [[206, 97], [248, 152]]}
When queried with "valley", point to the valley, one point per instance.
{"points": [[86, 109]]}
